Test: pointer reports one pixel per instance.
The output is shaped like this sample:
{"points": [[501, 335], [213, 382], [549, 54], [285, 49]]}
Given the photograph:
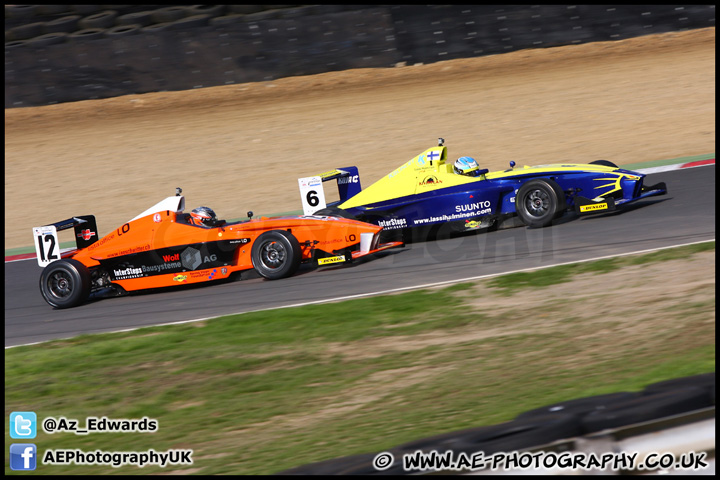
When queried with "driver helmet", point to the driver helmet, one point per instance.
{"points": [[203, 216], [466, 166]]}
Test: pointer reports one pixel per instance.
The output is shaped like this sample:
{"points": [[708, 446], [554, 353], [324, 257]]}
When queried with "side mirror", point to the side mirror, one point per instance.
{"points": [[178, 191], [250, 215], [512, 164]]}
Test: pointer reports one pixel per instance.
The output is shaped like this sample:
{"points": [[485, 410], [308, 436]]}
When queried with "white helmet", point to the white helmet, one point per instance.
{"points": [[466, 166]]}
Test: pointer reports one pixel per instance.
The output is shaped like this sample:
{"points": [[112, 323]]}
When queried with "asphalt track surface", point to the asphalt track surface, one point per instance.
{"points": [[685, 215]]}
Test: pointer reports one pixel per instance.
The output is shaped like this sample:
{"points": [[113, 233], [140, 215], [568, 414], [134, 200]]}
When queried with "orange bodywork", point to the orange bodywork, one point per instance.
{"points": [[138, 254]]}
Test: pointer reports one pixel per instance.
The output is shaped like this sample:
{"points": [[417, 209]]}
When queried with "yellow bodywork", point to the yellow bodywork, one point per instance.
{"points": [[430, 171]]}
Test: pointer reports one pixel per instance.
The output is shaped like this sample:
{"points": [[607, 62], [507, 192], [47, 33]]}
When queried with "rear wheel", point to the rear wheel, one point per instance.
{"points": [[276, 254], [65, 283], [539, 201]]}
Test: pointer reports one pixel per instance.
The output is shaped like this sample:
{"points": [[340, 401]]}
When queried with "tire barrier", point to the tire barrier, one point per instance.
{"points": [[212, 10], [66, 24], [563, 421], [104, 19], [137, 18], [51, 9], [192, 21], [23, 32], [87, 34], [122, 30], [646, 408], [169, 14], [19, 11], [232, 44], [48, 39]]}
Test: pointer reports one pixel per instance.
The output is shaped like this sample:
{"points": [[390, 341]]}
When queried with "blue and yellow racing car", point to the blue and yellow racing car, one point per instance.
{"points": [[428, 190]]}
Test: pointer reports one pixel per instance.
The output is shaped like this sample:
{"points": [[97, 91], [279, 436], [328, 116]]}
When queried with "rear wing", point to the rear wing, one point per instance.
{"points": [[313, 195], [47, 245]]}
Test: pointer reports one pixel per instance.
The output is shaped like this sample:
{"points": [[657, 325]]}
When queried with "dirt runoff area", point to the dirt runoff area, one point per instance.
{"points": [[242, 147]]}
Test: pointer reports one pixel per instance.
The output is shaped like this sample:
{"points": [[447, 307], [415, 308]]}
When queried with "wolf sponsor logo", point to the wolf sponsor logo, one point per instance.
{"points": [[346, 180], [171, 258], [477, 207], [597, 206], [124, 273], [393, 223]]}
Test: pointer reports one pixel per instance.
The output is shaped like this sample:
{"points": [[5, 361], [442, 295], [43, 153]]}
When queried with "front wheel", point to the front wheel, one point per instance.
{"points": [[604, 163], [276, 254], [65, 283], [540, 201]]}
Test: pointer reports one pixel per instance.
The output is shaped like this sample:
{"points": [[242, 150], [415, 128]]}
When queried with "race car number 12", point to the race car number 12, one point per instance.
{"points": [[46, 244]]}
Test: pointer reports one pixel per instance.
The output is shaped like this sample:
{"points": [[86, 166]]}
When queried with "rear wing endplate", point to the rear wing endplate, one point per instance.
{"points": [[47, 245], [313, 195]]}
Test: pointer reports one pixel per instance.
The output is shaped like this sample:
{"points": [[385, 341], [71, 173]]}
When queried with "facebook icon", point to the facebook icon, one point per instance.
{"points": [[23, 456]]}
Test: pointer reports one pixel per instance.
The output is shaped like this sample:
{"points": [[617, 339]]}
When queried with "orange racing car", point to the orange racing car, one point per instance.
{"points": [[165, 247]]}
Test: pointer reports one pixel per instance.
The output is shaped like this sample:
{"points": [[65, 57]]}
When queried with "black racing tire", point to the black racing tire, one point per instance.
{"points": [[26, 31], [169, 14], [604, 163], [16, 44], [122, 30], [226, 20], [48, 39], [87, 9], [65, 283], [62, 25], [212, 10], [104, 19], [157, 27], [19, 11], [41, 10], [86, 34], [539, 202], [136, 18], [192, 21], [246, 9], [276, 254]]}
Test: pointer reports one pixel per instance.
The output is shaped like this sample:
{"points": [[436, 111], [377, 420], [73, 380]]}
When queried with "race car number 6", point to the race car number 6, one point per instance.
{"points": [[312, 198]]}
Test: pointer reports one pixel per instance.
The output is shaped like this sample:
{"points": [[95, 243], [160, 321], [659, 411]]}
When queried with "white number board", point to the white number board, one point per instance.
{"points": [[47, 245], [312, 194]]}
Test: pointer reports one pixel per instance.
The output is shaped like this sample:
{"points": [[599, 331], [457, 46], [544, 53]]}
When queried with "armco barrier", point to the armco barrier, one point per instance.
{"points": [[675, 416], [239, 47]]}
